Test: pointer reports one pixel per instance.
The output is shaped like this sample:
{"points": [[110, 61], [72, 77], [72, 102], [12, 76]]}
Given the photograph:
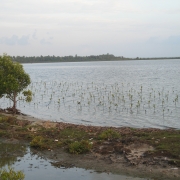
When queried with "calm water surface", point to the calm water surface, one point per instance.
{"points": [[118, 93], [38, 167]]}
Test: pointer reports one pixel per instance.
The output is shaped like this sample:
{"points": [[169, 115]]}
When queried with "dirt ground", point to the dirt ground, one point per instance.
{"points": [[112, 163], [128, 155]]}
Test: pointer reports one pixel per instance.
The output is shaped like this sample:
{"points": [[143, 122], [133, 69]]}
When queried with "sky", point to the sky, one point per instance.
{"points": [[129, 28]]}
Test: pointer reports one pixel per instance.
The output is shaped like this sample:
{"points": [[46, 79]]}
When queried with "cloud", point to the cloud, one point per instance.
{"points": [[15, 40], [171, 40], [129, 28], [34, 35], [45, 42], [154, 40]]}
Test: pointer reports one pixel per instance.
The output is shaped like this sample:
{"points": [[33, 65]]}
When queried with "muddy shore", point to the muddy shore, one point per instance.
{"points": [[136, 152]]}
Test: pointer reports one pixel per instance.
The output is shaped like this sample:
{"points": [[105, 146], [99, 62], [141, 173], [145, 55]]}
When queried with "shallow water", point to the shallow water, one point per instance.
{"points": [[36, 167], [118, 93]]}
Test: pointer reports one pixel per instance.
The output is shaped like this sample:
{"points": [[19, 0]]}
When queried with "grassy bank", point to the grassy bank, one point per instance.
{"points": [[162, 145]]}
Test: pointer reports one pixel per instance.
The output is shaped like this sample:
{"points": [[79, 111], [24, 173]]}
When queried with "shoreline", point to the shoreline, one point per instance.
{"points": [[88, 59], [129, 155]]}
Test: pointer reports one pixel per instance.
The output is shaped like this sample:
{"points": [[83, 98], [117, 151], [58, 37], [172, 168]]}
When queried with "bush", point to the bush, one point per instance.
{"points": [[79, 147], [109, 134], [39, 142], [11, 174]]}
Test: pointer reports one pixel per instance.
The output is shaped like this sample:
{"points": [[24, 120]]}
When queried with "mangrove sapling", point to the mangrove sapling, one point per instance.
{"points": [[154, 106], [162, 102], [163, 111], [97, 97]]}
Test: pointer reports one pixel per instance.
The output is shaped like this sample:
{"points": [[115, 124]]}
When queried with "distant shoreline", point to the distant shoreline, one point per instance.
{"points": [[57, 59]]}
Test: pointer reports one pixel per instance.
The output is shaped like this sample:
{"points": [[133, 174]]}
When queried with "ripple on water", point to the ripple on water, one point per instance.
{"points": [[117, 93]]}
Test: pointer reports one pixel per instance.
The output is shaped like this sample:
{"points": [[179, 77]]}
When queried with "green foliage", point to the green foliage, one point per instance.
{"points": [[73, 133], [109, 134], [39, 142], [28, 95], [103, 57], [41, 59], [11, 174], [13, 80], [9, 153], [79, 147]]}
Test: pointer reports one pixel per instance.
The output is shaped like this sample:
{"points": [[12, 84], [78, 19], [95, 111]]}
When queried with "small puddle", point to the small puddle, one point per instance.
{"points": [[33, 166]]}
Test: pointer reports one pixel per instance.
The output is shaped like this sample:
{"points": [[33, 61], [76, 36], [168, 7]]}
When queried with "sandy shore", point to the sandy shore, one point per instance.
{"points": [[24, 117]]}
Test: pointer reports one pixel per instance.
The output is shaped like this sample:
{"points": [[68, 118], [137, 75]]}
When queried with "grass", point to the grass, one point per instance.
{"points": [[73, 133], [40, 142], [166, 143], [79, 147], [109, 134], [11, 174], [53, 138]]}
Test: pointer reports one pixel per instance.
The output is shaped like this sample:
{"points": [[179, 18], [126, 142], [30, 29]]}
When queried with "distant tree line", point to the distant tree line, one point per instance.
{"points": [[43, 59], [103, 57]]}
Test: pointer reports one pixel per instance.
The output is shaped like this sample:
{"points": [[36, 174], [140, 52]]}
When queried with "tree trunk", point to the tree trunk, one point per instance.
{"points": [[14, 103]]}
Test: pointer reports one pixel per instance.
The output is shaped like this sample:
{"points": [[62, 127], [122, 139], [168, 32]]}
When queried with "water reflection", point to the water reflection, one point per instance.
{"points": [[37, 167], [10, 153]]}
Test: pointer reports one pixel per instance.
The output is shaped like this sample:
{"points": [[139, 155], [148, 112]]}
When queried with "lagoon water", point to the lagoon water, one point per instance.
{"points": [[142, 93]]}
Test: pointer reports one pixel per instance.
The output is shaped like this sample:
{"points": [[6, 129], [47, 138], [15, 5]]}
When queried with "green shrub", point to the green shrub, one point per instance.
{"points": [[67, 141], [109, 134], [79, 147], [11, 174], [39, 142]]}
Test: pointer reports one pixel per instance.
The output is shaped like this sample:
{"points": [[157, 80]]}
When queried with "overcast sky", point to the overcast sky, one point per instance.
{"points": [[130, 28]]}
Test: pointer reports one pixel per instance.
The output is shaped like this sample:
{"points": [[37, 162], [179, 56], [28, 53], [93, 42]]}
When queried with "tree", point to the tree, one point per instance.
{"points": [[13, 80]]}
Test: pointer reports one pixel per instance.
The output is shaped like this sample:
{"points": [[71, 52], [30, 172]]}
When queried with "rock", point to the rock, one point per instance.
{"points": [[126, 151]]}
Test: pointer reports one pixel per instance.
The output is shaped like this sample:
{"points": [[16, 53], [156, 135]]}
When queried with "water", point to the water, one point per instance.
{"points": [[119, 93], [21, 158]]}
